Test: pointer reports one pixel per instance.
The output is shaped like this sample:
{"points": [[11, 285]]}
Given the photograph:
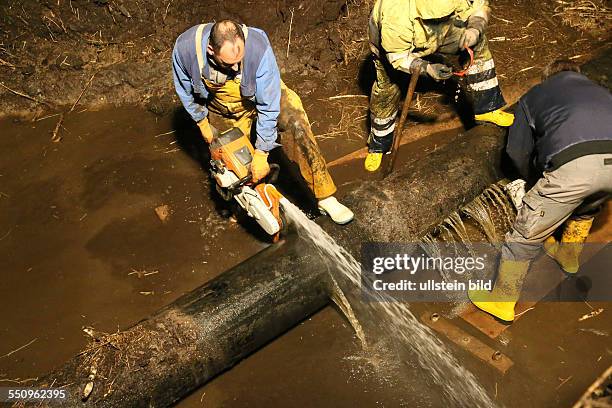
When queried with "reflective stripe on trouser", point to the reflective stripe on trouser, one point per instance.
{"points": [[482, 85], [384, 101], [480, 82], [576, 186], [299, 144]]}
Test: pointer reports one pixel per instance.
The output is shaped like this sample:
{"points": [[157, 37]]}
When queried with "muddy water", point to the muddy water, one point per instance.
{"points": [[77, 224], [80, 243], [394, 320], [81, 246]]}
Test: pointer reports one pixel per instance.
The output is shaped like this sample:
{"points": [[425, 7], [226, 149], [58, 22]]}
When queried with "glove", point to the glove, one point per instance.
{"points": [[516, 191], [476, 25], [206, 130], [259, 166], [469, 38], [439, 72]]}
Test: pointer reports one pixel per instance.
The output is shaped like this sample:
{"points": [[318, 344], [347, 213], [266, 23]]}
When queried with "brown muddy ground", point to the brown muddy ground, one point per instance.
{"points": [[81, 245]]}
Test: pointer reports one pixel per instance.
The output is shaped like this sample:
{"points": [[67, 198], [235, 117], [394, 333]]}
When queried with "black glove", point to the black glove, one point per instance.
{"points": [[439, 72]]}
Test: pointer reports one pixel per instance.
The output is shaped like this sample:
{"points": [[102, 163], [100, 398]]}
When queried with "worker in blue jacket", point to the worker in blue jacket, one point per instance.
{"points": [[230, 70]]}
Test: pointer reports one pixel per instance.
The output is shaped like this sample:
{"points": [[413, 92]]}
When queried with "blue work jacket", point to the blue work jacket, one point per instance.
{"points": [[260, 80]]}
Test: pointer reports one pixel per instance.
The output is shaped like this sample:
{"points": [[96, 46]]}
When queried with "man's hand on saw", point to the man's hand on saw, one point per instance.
{"points": [[206, 129], [259, 166]]}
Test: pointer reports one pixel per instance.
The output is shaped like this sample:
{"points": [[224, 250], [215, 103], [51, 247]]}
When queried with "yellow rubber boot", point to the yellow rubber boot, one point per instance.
{"points": [[567, 252], [497, 117], [372, 161], [501, 300]]}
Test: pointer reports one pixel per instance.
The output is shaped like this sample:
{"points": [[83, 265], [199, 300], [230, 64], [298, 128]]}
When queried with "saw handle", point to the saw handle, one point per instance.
{"points": [[272, 177]]}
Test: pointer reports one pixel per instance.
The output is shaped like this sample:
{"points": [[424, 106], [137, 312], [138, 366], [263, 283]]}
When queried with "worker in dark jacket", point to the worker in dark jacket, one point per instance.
{"points": [[562, 133]]}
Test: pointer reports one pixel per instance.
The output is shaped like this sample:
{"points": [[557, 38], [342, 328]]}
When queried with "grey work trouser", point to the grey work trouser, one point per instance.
{"points": [[577, 188]]}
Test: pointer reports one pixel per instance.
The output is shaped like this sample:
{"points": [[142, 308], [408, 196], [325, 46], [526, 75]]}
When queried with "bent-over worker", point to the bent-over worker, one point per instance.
{"points": [[229, 69], [408, 36], [563, 134]]}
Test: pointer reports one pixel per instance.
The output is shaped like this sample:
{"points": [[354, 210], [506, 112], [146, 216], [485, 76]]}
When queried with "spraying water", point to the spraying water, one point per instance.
{"points": [[478, 210], [394, 319], [501, 200], [456, 223]]}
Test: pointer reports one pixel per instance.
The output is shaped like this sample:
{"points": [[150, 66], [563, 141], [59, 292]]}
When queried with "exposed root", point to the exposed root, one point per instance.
{"points": [[351, 123], [585, 15]]}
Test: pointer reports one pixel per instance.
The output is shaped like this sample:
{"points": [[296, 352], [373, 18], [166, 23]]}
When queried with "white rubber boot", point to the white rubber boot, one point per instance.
{"points": [[338, 212]]}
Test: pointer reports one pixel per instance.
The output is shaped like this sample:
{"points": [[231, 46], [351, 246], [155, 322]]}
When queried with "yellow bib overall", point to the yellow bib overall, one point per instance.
{"points": [[227, 102], [233, 110]]}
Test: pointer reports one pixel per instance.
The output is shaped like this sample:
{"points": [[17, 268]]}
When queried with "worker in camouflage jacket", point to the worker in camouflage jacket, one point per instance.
{"points": [[408, 36]]}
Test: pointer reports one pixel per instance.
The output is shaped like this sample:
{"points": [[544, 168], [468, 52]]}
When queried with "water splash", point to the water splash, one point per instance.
{"points": [[444, 230], [493, 198], [456, 223], [343, 303], [492, 207], [431, 246], [410, 336], [451, 227], [478, 210], [502, 201]]}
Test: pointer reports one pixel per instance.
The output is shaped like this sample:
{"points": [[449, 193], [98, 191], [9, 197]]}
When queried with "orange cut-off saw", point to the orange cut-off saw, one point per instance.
{"points": [[231, 156]]}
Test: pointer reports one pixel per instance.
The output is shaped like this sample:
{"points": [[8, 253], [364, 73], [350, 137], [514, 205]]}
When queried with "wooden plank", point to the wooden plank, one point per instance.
{"points": [[487, 323], [416, 133], [494, 358]]}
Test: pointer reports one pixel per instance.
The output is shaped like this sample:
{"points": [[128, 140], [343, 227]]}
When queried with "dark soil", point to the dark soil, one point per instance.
{"points": [[50, 49]]}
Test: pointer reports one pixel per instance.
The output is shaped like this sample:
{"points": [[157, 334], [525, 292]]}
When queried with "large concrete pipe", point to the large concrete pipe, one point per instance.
{"points": [[163, 358]]}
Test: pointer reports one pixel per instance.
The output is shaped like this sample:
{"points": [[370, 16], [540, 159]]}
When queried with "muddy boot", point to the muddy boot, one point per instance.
{"points": [[377, 146], [567, 252], [501, 300]]}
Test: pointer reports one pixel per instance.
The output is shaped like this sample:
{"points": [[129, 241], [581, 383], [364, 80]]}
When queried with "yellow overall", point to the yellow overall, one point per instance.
{"points": [[230, 109]]}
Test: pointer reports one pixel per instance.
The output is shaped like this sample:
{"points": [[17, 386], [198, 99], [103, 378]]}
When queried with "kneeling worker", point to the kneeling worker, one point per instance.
{"points": [[404, 36], [564, 127], [230, 70]]}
